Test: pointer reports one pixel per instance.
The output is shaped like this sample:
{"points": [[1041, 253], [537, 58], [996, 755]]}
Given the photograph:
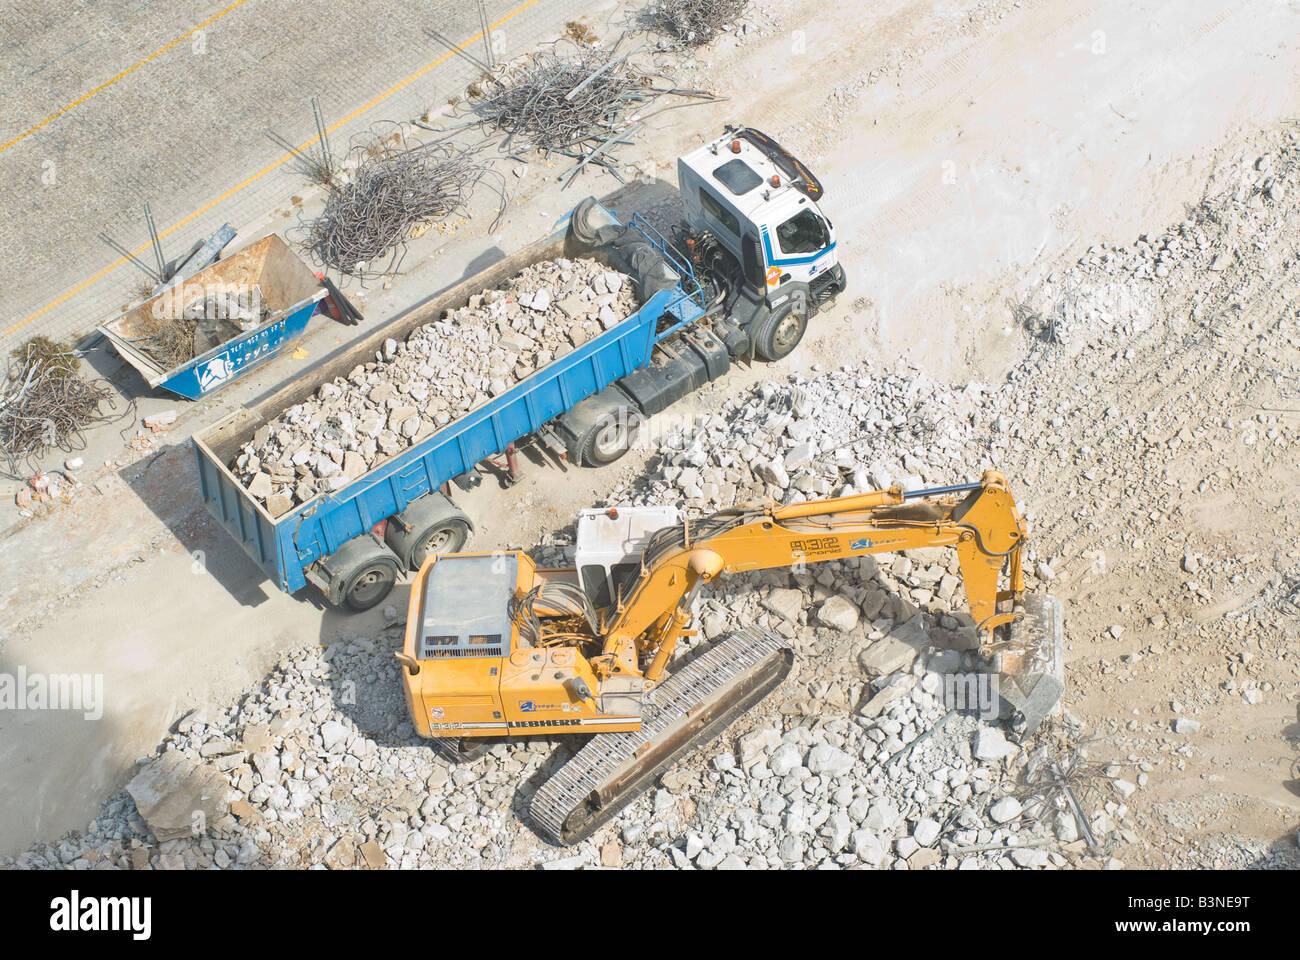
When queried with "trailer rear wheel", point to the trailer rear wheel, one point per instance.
{"points": [[369, 584], [610, 437], [782, 330], [445, 536], [429, 525]]}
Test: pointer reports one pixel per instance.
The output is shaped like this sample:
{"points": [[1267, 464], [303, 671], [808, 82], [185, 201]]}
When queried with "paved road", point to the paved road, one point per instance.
{"points": [[169, 102]]}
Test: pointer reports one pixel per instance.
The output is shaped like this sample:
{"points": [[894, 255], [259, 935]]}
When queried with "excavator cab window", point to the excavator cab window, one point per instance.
{"points": [[596, 583]]}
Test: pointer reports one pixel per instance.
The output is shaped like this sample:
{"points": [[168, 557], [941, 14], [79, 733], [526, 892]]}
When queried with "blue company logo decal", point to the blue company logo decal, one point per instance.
{"points": [[861, 545], [532, 706]]}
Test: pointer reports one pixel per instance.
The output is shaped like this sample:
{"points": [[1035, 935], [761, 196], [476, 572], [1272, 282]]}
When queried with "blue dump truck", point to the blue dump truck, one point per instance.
{"points": [[701, 306]]}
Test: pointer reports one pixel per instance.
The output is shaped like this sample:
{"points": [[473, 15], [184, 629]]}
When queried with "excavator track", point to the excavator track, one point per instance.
{"points": [[690, 708]]}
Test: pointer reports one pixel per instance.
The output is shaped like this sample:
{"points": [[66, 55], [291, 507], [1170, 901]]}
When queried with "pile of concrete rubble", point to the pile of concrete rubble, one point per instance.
{"points": [[807, 438], [856, 761], [319, 767], [442, 371]]}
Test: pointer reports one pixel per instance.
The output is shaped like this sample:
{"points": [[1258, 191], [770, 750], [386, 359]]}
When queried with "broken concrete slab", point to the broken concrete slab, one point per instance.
{"points": [[178, 797]]}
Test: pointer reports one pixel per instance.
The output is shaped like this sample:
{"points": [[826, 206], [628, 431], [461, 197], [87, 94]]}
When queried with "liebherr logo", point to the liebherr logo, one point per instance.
{"points": [[75, 913]]}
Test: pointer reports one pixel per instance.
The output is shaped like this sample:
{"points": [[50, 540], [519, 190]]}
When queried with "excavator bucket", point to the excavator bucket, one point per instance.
{"points": [[1031, 666]]}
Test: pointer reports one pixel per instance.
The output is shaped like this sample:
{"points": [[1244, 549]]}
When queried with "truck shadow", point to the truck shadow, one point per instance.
{"points": [[166, 483]]}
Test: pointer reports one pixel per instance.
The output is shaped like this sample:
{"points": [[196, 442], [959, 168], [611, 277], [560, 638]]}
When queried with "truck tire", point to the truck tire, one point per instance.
{"points": [[445, 536], [781, 330], [369, 584], [610, 437], [359, 574], [427, 526]]}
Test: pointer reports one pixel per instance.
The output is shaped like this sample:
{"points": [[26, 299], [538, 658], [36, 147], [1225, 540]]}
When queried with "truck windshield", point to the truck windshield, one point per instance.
{"points": [[805, 232]]}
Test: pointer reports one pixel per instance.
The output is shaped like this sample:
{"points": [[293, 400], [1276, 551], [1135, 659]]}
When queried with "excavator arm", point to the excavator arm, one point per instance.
{"points": [[978, 520]]}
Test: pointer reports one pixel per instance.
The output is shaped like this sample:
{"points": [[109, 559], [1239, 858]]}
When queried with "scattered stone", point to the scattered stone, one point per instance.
{"points": [[1005, 810], [990, 744], [838, 613]]}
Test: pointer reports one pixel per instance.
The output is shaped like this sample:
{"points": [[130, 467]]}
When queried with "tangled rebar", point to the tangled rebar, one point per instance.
{"points": [[172, 344], [395, 185], [1059, 777], [579, 104], [44, 405], [691, 23]]}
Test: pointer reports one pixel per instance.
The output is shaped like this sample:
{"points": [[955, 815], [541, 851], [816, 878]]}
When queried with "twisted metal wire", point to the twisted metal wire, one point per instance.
{"points": [[44, 406], [691, 23], [397, 184]]}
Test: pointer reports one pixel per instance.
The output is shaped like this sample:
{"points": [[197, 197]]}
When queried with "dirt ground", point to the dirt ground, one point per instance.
{"points": [[969, 151]]}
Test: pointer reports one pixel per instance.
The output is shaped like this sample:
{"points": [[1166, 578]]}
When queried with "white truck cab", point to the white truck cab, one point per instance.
{"points": [[759, 204]]}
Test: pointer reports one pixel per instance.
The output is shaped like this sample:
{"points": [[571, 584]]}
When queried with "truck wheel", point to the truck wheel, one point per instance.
{"points": [[445, 536], [369, 584], [781, 332], [429, 525], [609, 438]]}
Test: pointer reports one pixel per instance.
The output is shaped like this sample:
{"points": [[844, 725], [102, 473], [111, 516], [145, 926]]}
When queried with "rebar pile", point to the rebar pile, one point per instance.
{"points": [[692, 23], [391, 190], [44, 405], [172, 344], [567, 104], [1059, 777]]}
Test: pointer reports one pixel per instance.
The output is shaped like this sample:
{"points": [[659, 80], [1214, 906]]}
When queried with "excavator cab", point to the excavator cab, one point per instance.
{"points": [[609, 546]]}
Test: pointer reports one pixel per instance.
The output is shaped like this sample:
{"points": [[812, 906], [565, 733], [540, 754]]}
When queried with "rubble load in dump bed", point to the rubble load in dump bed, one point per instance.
{"points": [[444, 370]]}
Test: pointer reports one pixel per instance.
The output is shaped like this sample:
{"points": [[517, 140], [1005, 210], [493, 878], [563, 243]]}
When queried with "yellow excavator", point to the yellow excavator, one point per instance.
{"points": [[498, 647]]}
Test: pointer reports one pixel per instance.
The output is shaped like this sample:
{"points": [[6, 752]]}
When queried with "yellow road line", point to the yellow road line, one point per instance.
{"points": [[267, 169], [112, 80]]}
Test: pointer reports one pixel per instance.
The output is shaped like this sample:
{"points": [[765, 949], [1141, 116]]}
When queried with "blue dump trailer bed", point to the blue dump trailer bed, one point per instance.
{"points": [[353, 543]]}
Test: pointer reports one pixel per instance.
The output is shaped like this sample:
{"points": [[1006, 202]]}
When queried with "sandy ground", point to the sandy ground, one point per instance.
{"points": [[967, 150]]}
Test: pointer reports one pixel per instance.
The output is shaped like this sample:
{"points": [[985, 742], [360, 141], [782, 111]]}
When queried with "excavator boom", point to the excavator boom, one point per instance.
{"points": [[979, 520]]}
